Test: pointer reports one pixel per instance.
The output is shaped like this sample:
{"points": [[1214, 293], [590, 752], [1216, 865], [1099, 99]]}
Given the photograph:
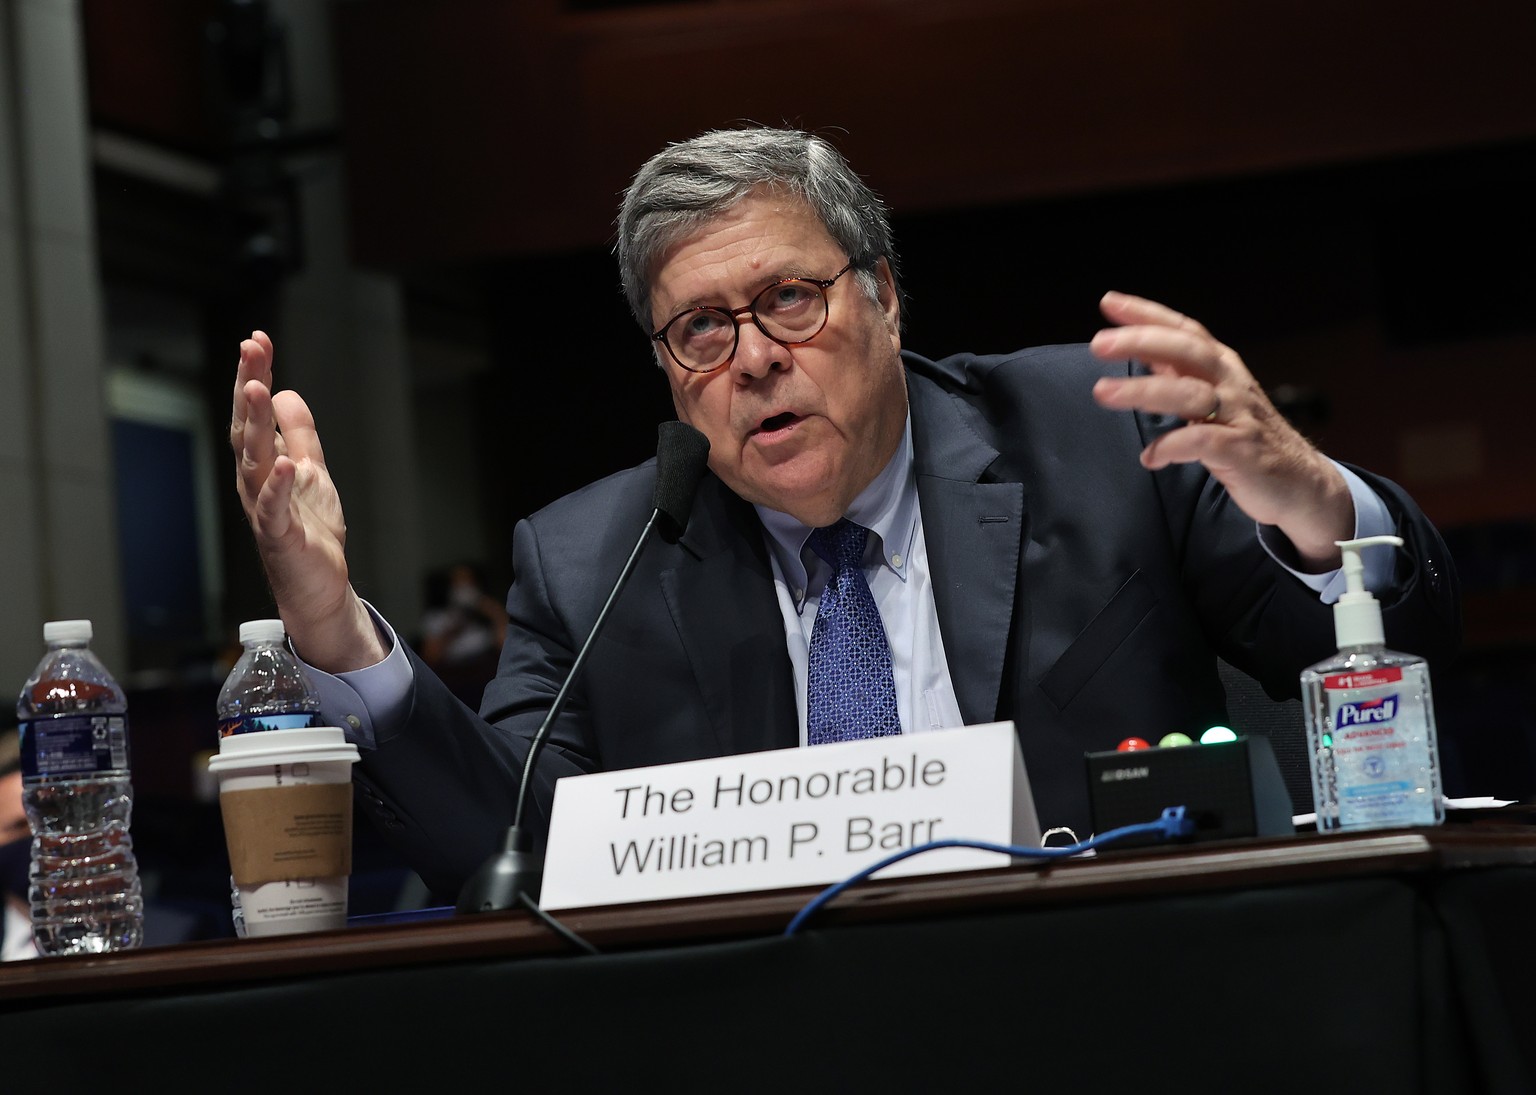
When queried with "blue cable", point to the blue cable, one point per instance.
{"points": [[1172, 823]]}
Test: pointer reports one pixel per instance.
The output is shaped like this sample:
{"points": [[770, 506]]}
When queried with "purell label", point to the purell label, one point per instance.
{"points": [[1372, 678], [1378, 746], [1381, 709]]}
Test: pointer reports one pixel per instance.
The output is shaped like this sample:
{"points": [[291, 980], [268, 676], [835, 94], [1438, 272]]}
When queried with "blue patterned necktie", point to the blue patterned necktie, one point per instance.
{"points": [[851, 691]]}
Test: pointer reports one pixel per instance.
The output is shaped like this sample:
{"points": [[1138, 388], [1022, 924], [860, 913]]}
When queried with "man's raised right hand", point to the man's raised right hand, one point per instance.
{"points": [[295, 514]]}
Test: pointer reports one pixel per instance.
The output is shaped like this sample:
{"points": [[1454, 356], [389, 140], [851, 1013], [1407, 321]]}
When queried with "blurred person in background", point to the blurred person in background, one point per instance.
{"points": [[462, 630], [15, 854], [463, 623]]}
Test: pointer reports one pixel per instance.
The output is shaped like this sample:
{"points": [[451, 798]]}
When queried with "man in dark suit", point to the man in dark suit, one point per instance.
{"points": [[1041, 547]]}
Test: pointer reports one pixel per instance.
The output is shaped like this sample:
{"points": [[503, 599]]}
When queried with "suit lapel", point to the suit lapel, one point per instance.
{"points": [[727, 615], [973, 532]]}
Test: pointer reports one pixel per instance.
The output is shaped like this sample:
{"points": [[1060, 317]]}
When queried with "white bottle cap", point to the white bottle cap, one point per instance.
{"points": [[261, 631], [1357, 615], [63, 631]]}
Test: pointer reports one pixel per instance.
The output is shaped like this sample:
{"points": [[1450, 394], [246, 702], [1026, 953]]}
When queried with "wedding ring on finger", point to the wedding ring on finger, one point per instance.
{"points": [[1215, 410]]}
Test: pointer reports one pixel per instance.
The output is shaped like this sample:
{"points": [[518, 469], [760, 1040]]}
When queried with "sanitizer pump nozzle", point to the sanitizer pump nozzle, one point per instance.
{"points": [[1357, 614]]}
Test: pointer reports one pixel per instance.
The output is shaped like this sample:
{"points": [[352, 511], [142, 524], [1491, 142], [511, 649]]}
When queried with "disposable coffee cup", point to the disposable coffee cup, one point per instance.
{"points": [[286, 797]]}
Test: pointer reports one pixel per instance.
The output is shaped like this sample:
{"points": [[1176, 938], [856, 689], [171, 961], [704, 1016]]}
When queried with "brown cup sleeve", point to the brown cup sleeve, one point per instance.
{"points": [[279, 833]]}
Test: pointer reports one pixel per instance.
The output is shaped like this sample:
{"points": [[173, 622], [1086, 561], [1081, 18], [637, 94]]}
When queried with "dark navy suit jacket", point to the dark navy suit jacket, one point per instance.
{"points": [[1078, 594]]}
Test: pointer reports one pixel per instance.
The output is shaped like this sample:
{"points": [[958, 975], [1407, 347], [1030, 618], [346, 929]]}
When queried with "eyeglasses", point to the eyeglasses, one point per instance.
{"points": [[790, 311]]}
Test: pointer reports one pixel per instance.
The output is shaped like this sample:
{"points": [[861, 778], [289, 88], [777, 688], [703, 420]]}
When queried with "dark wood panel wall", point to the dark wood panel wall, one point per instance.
{"points": [[480, 127]]}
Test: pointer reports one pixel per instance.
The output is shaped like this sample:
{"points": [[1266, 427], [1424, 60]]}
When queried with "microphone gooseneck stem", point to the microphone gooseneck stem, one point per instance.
{"points": [[515, 875], [581, 657]]}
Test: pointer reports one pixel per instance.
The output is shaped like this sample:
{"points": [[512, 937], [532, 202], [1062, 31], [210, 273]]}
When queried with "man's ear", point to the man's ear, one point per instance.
{"points": [[890, 300]]}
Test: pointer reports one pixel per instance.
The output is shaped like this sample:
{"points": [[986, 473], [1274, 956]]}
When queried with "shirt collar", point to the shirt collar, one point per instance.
{"points": [[887, 507]]}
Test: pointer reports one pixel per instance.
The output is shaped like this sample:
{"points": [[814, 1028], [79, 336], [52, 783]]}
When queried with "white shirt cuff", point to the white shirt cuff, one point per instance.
{"points": [[368, 703], [1371, 519]]}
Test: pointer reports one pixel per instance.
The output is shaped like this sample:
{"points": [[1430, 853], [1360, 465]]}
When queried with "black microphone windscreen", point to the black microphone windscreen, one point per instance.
{"points": [[681, 456]]}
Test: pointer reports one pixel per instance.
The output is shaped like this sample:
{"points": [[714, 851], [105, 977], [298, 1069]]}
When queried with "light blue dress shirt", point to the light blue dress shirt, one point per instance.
{"points": [[896, 566], [369, 703]]}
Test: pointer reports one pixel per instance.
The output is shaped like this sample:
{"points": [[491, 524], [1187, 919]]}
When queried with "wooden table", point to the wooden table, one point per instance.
{"points": [[1374, 962]]}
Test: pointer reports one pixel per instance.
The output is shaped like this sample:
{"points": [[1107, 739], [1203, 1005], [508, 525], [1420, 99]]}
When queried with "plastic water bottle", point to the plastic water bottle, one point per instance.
{"points": [[85, 893], [267, 689]]}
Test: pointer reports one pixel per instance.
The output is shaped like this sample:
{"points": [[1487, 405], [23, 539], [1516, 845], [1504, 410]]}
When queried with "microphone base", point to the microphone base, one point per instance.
{"points": [[504, 880]]}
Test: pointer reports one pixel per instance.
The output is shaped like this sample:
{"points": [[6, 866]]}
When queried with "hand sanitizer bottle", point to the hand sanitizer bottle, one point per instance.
{"points": [[1370, 720]]}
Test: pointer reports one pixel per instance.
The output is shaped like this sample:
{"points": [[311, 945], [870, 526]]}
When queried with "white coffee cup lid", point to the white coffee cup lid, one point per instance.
{"points": [[313, 744]]}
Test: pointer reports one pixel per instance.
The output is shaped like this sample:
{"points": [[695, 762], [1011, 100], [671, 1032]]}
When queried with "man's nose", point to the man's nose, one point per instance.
{"points": [[757, 355]]}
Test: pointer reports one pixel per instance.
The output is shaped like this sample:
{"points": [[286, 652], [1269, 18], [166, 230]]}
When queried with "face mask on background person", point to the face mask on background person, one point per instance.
{"points": [[15, 834], [15, 859]]}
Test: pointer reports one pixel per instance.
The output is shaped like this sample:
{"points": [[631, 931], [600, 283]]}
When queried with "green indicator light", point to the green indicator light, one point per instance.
{"points": [[1218, 734], [1327, 740], [1175, 738]]}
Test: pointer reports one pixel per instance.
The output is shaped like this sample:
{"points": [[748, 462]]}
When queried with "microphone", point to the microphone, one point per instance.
{"points": [[513, 875]]}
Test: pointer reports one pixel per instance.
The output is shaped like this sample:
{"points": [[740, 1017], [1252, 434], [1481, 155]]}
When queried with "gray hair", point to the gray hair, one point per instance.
{"points": [[691, 182]]}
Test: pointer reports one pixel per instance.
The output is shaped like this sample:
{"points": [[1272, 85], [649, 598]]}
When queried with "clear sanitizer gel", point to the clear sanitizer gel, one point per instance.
{"points": [[1370, 720]]}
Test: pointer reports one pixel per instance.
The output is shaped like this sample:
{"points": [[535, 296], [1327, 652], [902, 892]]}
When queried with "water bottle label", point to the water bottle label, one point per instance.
{"points": [[74, 745], [255, 724]]}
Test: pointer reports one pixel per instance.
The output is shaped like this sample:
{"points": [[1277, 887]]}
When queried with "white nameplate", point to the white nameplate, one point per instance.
{"points": [[787, 817]]}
